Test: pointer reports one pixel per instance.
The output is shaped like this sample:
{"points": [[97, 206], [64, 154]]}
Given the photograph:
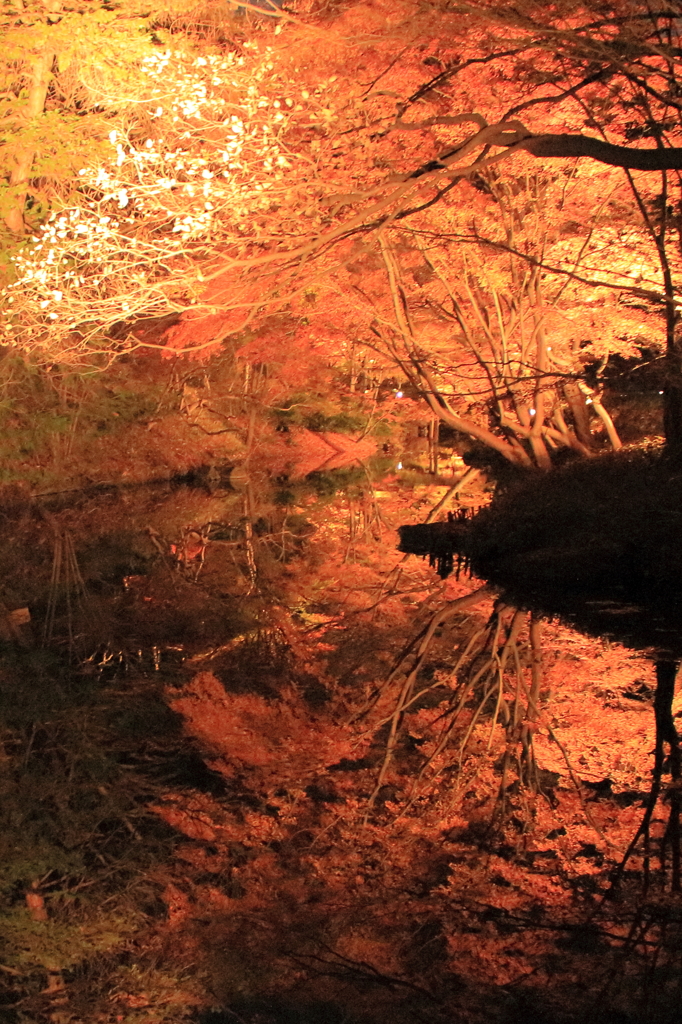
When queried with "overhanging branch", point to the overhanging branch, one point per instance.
{"points": [[563, 146]]}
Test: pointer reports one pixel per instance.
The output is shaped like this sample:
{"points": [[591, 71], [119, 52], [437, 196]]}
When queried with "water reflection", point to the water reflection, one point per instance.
{"points": [[116, 569], [151, 577], [597, 544], [162, 572]]}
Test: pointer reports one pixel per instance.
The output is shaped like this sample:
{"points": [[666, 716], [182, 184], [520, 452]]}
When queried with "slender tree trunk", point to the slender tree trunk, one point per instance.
{"points": [[611, 431], [434, 437], [672, 387], [666, 672], [536, 624], [537, 441], [581, 419], [672, 399], [24, 157]]}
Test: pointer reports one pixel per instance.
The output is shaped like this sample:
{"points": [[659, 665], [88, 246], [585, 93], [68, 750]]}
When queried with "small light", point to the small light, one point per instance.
{"points": [[532, 412], [398, 394], [399, 466], [660, 392]]}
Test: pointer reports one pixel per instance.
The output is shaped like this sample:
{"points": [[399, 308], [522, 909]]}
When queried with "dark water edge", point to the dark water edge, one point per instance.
{"points": [[596, 544], [210, 478]]}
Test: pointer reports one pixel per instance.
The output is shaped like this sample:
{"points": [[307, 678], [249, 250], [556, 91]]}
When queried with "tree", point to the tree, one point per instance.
{"points": [[192, 176], [640, 53], [603, 66], [64, 70], [144, 234], [459, 298]]}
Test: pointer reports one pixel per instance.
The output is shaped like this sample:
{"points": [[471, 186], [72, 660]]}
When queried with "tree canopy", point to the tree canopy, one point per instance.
{"points": [[237, 175]]}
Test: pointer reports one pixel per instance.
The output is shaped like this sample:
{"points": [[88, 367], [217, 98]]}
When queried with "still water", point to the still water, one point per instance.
{"points": [[597, 545], [158, 580], [141, 570]]}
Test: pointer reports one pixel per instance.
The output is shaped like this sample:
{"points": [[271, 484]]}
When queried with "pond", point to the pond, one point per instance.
{"points": [[166, 567], [248, 730]]}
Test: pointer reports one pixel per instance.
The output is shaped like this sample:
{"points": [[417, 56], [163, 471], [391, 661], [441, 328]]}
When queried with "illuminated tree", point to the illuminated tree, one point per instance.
{"points": [[64, 68], [461, 299], [560, 70], [252, 170], [634, 72], [195, 175]]}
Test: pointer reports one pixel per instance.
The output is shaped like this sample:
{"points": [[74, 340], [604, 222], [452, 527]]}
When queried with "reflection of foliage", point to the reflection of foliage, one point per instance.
{"points": [[43, 411], [374, 880], [327, 484], [78, 849], [324, 485], [495, 681], [314, 870], [339, 900]]}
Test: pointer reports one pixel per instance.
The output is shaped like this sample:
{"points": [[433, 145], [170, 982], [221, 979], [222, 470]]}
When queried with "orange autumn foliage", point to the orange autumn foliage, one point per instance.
{"points": [[246, 732]]}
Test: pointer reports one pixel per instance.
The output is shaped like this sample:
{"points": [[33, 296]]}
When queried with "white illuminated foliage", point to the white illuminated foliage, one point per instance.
{"points": [[193, 174]]}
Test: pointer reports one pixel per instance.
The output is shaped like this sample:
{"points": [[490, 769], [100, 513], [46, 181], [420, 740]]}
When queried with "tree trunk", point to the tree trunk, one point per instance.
{"points": [[24, 157], [672, 399], [434, 437], [423, 380], [666, 733], [581, 419]]}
